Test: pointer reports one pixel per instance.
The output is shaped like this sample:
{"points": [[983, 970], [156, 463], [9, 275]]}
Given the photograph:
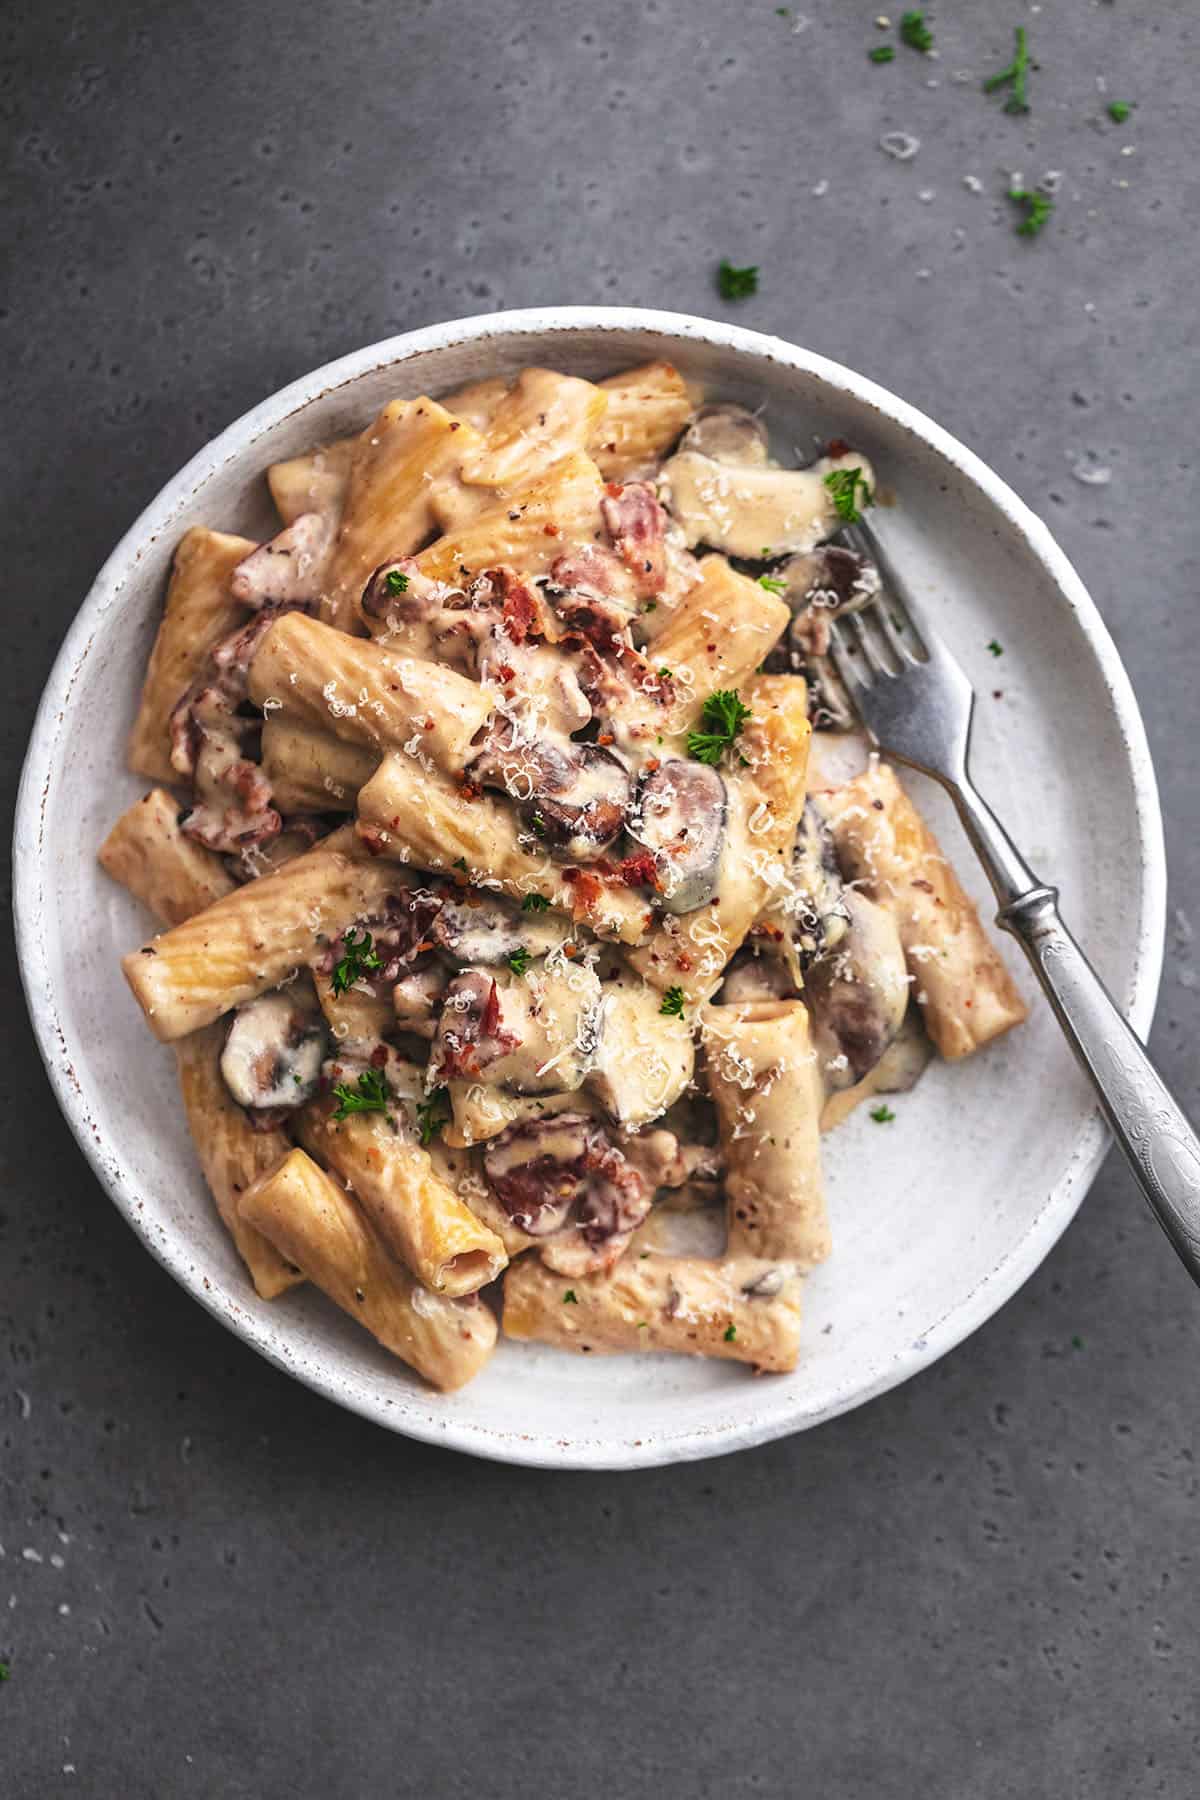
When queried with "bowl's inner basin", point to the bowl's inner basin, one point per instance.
{"points": [[966, 1184]]}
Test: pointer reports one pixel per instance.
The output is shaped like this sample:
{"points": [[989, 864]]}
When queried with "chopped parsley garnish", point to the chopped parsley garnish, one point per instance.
{"points": [[518, 962], [914, 32], [843, 485], [730, 1333], [535, 903], [538, 825], [372, 1095], [736, 284], [650, 606], [397, 581], [1038, 207], [1119, 110], [358, 954], [432, 1114], [1016, 72], [672, 1003], [460, 862], [570, 1298], [996, 648], [882, 1115], [722, 718], [664, 674], [774, 584], [883, 53]]}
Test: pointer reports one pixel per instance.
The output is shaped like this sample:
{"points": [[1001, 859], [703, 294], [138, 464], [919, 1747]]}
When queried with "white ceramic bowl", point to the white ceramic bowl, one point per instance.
{"points": [[938, 1217]]}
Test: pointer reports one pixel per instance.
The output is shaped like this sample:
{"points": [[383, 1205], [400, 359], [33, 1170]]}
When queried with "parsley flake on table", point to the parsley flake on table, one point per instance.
{"points": [[996, 648], [358, 953], [1119, 110], [843, 485], [518, 962], [1016, 72], [371, 1095], [721, 718], [774, 584], [5, 1671], [1038, 207], [730, 1333], [397, 581], [915, 33], [535, 903], [882, 53], [672, 1003], [883, 1114], [432, 1114], [736, 284]]}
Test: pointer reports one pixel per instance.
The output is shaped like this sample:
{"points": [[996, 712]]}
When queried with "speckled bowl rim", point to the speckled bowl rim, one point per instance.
{"points": [[31, 868]]}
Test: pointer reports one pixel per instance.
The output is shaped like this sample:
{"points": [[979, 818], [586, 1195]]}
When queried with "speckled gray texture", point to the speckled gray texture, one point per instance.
{"points": [[215, 1584]]}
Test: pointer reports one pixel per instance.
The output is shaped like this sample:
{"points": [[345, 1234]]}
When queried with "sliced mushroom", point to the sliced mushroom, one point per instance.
{"points": [[273, 1053], [728, 434], [857, 993], [680, 817], [755, 511], [547, 1173], [820, 917], [534, 1034], [573, 797], [485, 928], [289, 569], [645, 1058]]}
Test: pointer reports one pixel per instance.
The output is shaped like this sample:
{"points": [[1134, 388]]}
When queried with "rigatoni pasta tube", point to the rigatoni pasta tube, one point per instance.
{"points": [[364, 694], [765, 1082], [426, 820], [233, 1154], [400, 463], [744, 1310], [964, 990], [529, 529], [717, 637], [254, 938], [200, 611], [542, 418], [314, 1223], [419, 1218], [148, 853], [647, 409], [311, 770], [764, 801], [316, 482]]}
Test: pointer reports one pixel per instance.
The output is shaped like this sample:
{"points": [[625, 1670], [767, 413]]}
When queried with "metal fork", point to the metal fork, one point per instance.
{"points": [[916, 703]]}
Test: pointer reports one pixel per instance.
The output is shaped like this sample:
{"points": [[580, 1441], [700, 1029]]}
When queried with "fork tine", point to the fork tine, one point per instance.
{"points": [[855, 678], [896, 591]]}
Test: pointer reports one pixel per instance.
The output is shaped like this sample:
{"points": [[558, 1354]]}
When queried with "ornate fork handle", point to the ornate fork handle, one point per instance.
{"points": [[1162, 1148]]}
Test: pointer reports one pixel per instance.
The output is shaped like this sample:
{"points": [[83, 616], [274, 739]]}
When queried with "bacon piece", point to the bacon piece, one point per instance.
{"points": [[637, 525], [399, 935], [549, 1173], [471, 1032]]}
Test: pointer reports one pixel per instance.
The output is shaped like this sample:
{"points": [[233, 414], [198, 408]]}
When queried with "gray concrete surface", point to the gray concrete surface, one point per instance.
{"points": [[212, 1583]]}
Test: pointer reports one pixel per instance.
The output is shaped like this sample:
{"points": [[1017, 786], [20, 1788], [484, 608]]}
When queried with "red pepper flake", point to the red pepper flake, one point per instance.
{"points": [[570, 949], [878, 805], [711, 648], [430, 725], [379, 1056], [605, 737], [614, 488], [551, 531], [683, 961], [837, 447], [470, 790]]}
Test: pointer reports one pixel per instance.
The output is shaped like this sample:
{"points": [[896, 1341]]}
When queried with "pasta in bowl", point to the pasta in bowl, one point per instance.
{"points": [[507, 921], [939, 1202]]}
